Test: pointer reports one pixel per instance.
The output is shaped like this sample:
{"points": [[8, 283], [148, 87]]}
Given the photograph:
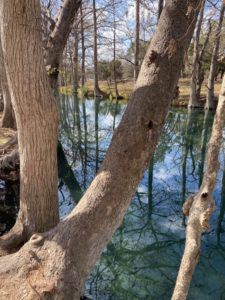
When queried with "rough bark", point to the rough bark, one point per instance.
{"points": [[36, 116], [54, 265], [212, 73], [200, 207], [58, 38], [200, 72], [8, 117], [137, 32], [193, 100]]}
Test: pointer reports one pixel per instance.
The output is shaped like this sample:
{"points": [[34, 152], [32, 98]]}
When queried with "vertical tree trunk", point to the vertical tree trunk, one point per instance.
{"points": [[137, 32], [82, 46], [193, 101], [210, 96], [97, 92], [31, 96], [75, 57], [160, 8], [8, 118], [114, 49], [200, 72]]}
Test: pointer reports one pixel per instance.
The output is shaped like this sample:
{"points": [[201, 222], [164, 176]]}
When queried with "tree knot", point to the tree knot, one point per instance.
{"points": [[152, 57]]}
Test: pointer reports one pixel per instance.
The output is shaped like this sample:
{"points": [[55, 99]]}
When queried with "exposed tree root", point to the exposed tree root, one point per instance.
{"points": [[13, 240]]}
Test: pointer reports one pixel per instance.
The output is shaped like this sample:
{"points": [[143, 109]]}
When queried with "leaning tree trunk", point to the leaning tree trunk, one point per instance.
{"points": [[137, 32], [55, 265], [58, 38], [36, 116], [199, 207], [193, 101], [212, 73], [8, 118]]}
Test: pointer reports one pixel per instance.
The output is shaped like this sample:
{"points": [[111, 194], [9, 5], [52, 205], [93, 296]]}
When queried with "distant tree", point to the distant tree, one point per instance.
{"points": [[212, 73]]}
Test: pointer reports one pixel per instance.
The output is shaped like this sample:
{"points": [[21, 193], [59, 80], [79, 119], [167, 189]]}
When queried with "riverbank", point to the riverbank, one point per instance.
{"points": [[125, 89]]}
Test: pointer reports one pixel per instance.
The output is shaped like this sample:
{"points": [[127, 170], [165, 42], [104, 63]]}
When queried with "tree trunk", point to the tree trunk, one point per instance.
{"points": [[58, 38], [54, 265], [200, 207], [8, 118], [137, 31], [160, 8], [210, 96], [36, 115], [114, 50], [75, 58], [82, 46], [200, 72], [97, 92], [193, 100]]}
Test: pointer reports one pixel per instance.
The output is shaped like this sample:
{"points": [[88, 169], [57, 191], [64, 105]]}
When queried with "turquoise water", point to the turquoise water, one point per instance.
{"points": [[142, 260]]}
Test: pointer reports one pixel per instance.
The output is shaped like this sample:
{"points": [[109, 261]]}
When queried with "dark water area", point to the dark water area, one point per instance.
{"points": [[142, 260]]}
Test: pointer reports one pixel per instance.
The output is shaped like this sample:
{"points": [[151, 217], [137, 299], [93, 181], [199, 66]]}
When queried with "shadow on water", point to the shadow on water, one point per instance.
{"points": [[142, 260]]}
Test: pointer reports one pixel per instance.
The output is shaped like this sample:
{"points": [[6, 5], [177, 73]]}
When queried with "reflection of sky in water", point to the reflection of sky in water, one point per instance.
{"points": [[142, 260]]}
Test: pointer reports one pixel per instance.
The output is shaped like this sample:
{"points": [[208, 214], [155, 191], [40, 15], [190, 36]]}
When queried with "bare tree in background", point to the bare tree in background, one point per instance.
{"points": [[212, 73]]}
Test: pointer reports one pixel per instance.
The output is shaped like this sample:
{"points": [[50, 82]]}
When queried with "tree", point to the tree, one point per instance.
{"points": [[82, 46], [114, 50], [58, 38], [193, 101], [200, 72], [199, 207], [35, 201], [56, 263], [137, 31], [75, 56], [97, 91], [212, 73], [8, 118]]}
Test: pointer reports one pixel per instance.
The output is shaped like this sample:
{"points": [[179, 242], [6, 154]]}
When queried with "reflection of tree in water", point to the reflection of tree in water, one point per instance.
{"points": [[142, 260]]}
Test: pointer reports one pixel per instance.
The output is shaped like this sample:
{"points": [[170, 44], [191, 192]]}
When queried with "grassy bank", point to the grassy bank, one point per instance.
{"points": [[125, 89]]}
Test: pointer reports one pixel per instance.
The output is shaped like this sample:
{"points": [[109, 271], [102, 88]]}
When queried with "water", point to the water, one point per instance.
{"points": [[142, 260]]}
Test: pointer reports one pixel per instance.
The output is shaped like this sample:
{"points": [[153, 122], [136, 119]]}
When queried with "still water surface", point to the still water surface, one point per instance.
{"points": [[142, 260]]}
